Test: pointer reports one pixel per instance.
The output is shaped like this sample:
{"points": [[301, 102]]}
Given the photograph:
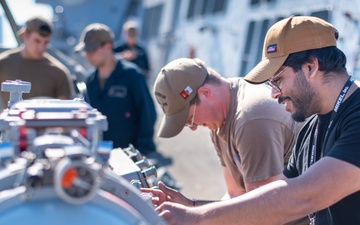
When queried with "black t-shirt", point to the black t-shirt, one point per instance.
{"points": [[343, 143]]}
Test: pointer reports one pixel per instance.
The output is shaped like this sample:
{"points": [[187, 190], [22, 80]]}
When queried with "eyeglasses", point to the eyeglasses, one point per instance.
{"points": [[191, 118], [273, 83]]}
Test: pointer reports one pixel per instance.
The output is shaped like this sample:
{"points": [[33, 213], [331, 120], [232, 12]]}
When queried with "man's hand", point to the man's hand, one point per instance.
{"points": [[165, 193], [128, 55], [175, 214]]}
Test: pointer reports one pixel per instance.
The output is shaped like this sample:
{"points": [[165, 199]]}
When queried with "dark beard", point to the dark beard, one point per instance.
{"points": [[302, 98], [298, 116]]}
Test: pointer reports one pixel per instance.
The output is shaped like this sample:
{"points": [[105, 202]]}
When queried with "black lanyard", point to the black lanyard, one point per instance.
{"points": [[338, 102]]}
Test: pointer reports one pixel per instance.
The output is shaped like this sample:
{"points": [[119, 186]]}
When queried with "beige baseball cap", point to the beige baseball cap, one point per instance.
{"points": [[94, 36], [290, 35], [38, 24], [175, 86]]}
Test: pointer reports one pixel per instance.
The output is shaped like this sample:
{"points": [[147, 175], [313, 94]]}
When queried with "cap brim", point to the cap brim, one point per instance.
{"points": [[265, 69], [172, 125], [79, 47]]}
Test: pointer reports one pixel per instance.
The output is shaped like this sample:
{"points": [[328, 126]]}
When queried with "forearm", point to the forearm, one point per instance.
{"points": [[253, 207], [278, 202], [287, 200], [271, 204]]}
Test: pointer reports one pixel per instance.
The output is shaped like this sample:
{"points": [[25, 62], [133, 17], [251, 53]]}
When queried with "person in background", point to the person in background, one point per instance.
{"points": [[190, 94], [118, 90], [307, 73], [131, 50], [30, 62]]}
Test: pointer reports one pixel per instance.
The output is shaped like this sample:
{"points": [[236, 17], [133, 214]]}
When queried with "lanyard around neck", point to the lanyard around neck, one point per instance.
{"points": [[338, 102]]}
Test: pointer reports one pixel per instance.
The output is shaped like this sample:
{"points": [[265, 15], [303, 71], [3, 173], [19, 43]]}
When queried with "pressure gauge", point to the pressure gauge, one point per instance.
{"points": [[75, 181]]}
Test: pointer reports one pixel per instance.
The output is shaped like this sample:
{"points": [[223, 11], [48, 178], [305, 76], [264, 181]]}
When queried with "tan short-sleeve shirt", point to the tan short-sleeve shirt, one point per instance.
{"points": [[257, 137]]}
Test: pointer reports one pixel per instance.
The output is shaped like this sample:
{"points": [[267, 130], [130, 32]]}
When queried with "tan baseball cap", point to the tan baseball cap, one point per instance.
{"points": [[290, 35], [174, 88], [94, 36], [38, 24]]}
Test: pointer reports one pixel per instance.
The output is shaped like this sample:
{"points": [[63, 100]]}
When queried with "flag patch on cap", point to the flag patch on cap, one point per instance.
{"points": [[271, 48], [186, 92]]}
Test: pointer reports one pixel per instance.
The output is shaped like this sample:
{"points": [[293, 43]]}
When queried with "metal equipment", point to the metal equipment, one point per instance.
{"points": [[56, 169]]}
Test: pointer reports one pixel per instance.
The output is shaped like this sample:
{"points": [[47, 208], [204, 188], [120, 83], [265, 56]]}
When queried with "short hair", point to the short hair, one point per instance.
{"points": [[331, 59], [213, 77]]}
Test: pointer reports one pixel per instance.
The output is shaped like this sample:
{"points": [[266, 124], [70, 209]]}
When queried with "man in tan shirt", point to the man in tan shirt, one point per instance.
{"points": [[30, 62]]}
